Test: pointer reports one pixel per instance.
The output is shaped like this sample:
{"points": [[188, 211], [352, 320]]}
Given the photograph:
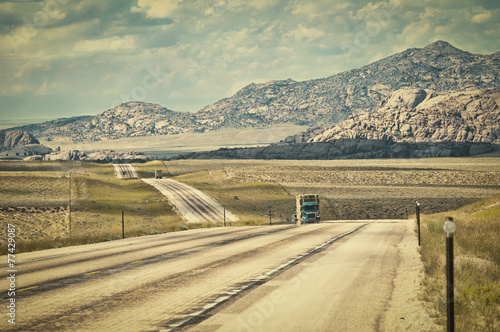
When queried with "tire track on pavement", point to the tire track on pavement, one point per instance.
{"points": [[195, 205], [231, 274], [105, 253], [77, 278], [125, 171]]}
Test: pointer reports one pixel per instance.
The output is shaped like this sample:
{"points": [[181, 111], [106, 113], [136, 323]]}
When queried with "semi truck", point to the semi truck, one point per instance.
{"points": [[307, 208]]}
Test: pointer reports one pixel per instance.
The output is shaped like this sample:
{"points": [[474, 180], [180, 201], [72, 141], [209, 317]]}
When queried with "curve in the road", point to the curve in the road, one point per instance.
{"points": [[191, 203]]}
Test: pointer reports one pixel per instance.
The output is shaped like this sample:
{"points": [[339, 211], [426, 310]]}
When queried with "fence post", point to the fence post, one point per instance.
{"points": [[417, 208], [123, 224], [69, 203], [450, 227]]}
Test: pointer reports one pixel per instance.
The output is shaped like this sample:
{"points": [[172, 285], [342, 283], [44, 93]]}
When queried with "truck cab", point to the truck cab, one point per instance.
{"points": [[308, 208]]}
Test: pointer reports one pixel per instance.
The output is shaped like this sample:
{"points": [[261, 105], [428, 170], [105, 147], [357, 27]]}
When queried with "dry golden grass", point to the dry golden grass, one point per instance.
{"points": [[37, 201], [36, 194], [476, 268], [354, 189]]}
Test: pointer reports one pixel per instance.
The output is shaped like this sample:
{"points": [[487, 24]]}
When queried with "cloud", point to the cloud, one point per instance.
{"points": [[211, 48], [481, 18], [158, 8], [314, 10], [111, 44], [302, 32]]}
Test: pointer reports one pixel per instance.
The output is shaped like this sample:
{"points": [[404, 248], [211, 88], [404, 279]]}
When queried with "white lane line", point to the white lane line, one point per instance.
{"points": [[257, 280]]}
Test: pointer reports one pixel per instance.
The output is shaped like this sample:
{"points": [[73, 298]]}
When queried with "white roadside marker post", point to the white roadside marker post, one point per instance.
{"points": [[450, 227]]}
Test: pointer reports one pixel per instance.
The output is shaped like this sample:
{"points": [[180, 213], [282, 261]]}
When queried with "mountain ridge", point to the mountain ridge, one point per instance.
{"points": [[317, 102], [417, 115]]}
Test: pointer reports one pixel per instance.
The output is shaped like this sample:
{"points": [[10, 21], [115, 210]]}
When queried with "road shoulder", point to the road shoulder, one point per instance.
{"points": [[405, 311]]}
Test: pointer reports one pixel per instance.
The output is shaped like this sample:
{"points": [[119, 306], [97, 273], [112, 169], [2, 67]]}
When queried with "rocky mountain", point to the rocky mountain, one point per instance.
{"points": [[326, 101], [418, 115], [411, 123], [439, 66], [125, 120], [20, 144], [11, 139], [64, 127]]}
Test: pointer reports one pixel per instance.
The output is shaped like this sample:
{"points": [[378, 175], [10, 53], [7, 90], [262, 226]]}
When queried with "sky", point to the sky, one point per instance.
{"points": [[62, 58]]}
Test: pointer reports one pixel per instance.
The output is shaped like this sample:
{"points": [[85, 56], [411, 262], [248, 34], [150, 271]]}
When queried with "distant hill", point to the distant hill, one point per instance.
{"points": [[411, 123], [64, 127], [319, 102], [439, 66], [20, 144], [417, 115], [11, 139]]}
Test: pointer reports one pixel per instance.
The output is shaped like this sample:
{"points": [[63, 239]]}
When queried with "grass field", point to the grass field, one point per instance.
{"points": [[35, 196], [476, 265], [349, 189]]}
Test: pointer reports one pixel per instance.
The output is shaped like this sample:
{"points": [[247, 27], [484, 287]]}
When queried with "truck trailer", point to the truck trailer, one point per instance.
{"points": [[307, 208]]}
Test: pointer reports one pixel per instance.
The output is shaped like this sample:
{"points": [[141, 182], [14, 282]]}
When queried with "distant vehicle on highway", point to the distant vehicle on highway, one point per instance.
{"points": [[308, 208]]}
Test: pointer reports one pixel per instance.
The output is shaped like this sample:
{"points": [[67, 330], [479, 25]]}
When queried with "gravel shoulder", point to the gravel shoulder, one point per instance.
{"points": [[405, 311]]}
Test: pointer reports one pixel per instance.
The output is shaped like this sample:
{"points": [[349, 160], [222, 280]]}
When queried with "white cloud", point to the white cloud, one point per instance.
{"points": [[481, 18], [315, 9], [14, 89], [158, 8], [211, 49], [261, 4], [417, 33], [7, 7], [302, 32], [105, 45]]}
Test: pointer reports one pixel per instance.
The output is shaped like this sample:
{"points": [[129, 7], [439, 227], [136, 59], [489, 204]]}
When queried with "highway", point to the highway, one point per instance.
{"points": [[192, 204], [260, 278], [125, 171]]}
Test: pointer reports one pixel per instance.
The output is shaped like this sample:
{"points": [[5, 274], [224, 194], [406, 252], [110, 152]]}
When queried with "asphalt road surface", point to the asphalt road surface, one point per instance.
{"points": [[192, 204], [125, 171], [320, 277]]}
